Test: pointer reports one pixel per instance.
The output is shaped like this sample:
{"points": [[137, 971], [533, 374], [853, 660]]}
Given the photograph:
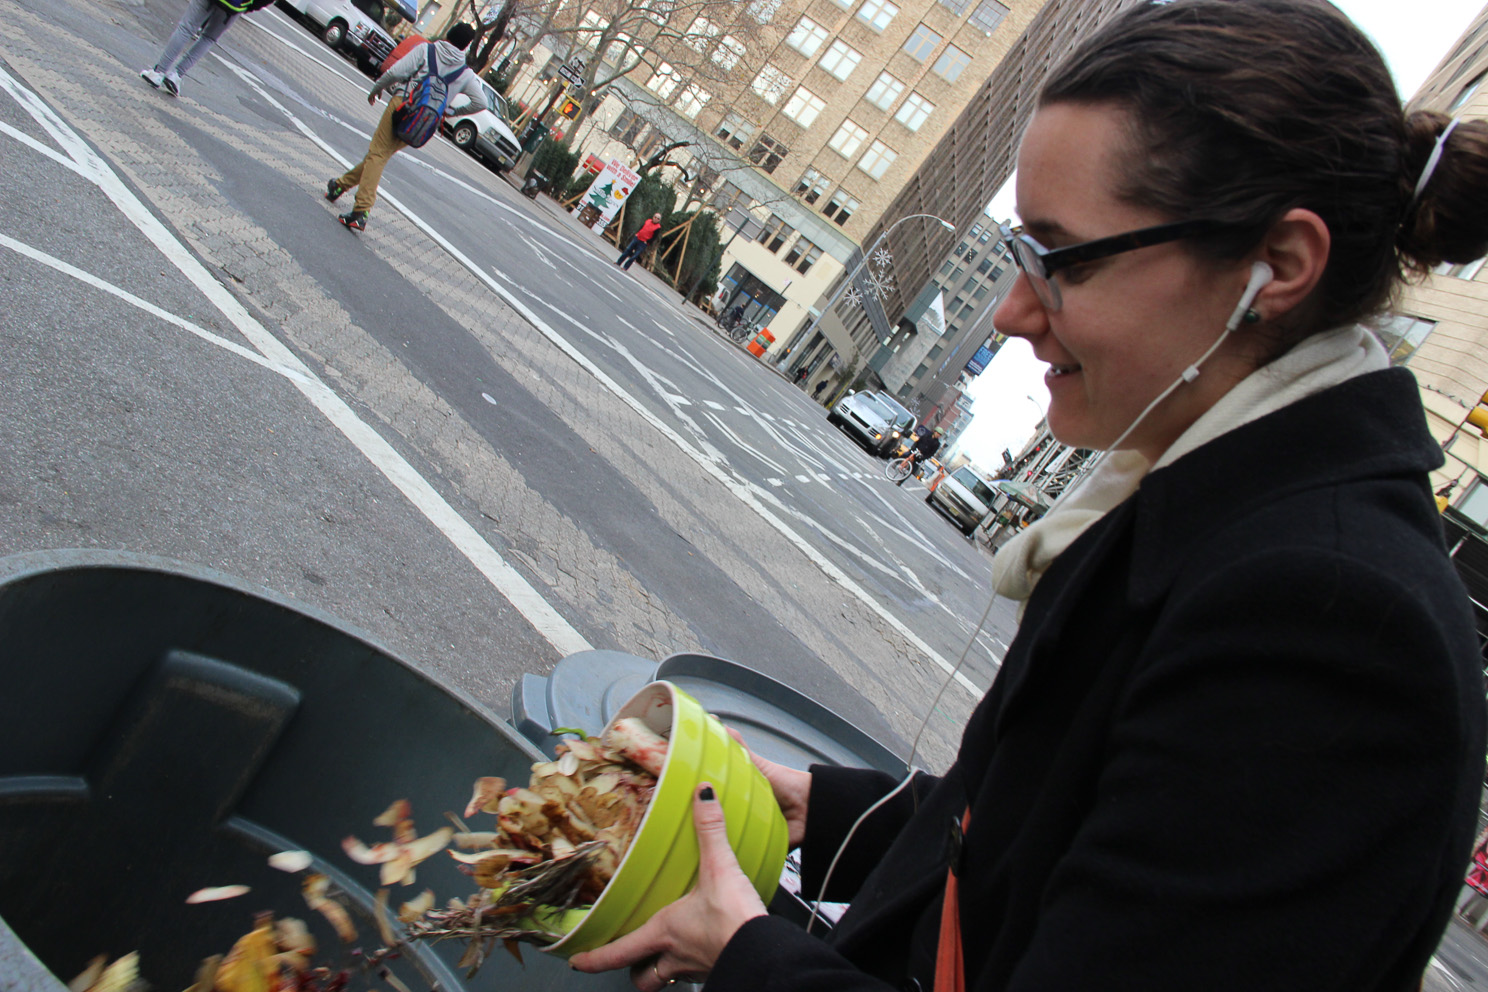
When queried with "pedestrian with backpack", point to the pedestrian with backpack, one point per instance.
{"points": [[202, 23], [423, 83]]}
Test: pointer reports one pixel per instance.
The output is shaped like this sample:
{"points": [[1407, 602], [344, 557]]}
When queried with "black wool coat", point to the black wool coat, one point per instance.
{"points": [[1237, 744]]}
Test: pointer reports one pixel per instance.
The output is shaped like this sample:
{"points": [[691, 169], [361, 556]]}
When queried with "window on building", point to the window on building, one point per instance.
{"points": [[665, 81], [952, 63], [985, 267], [700, 36], [987, 15], [996, 273], [957, 274], [914, 111], [803, 106], [623, 51], [884, 91], [961, 249], [771, 84], [842, 206], [957, 7], [935, 352], [877, 13], [1402, 334], [966, 311], [764, 11], [848, 139], [803, 255], [986, 236], [807, 37], [971, 256], [734, 131], [591, 27], [728, 53], [627, 127], [920, 372], [946, 267], [811, 186], [776, 233], [1467, 92], [841, 59], [981, 292], [692, 101], [922, 43], [728, 196], [767, 153], [877, 159], [1466, 270], [975, 230]]}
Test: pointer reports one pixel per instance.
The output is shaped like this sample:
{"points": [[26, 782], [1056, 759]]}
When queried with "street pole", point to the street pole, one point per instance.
{"points": [[806, 335]]}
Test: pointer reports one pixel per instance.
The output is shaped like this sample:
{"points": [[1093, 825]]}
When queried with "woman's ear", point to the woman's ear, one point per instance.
{"points": [[1296, 248]]}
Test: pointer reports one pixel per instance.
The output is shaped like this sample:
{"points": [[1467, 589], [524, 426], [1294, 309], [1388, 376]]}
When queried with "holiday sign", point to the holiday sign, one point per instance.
{"points": [[610, 189]]}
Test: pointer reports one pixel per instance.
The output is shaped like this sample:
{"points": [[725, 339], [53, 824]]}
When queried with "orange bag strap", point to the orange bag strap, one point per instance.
{"points": [[950, 964]]}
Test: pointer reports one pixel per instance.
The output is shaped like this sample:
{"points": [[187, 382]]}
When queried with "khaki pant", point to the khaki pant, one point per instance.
{"points": [[367, 173]]}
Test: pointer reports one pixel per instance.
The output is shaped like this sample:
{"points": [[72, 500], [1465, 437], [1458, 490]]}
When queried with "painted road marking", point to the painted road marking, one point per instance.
{"points": [[373, 446], [709, 461], [714, 406]]}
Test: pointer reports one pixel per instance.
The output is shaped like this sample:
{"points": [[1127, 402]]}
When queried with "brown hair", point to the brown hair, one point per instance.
{"points": [[1245, 109]]}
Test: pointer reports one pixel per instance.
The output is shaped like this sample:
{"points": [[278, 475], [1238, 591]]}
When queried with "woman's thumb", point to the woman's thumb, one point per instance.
{"points": [[712, 833]]}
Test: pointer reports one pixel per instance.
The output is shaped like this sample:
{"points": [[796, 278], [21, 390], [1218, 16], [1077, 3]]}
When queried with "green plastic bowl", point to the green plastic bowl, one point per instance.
{"points": [[662, 862]]}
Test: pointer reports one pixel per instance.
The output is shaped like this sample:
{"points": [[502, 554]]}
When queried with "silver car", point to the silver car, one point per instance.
{"points": [[485, 133], [863, 417]]}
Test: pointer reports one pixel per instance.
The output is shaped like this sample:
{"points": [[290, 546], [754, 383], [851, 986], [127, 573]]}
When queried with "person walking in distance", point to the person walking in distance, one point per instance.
{"points": [[816, 393], [441, 59], [639, 242], [925, 447], [201, 24]]}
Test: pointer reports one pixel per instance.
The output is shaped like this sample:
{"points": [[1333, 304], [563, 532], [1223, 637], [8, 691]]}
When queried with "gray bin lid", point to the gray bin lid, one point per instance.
{"points": [[778, 722]]}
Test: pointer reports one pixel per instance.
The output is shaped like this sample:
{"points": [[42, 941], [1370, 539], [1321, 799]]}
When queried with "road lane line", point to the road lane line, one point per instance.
{"points": [[373, 446], [37, 255], [751, 495]]}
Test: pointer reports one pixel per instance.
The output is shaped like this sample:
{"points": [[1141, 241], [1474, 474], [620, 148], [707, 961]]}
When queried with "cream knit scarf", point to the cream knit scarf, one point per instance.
{"points": [[1318, 363]]}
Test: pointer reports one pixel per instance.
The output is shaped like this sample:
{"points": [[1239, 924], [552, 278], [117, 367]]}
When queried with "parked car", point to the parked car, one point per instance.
{"points": [[485, 133], [359, 28], [965, 497], [862, 417]]}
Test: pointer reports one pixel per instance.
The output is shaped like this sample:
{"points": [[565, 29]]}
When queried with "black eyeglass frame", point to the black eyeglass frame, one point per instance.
{"points": [[1050, 261]]}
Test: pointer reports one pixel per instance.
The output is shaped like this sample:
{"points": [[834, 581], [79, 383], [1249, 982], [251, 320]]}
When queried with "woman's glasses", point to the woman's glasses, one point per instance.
{"points": [[1040, 263]]}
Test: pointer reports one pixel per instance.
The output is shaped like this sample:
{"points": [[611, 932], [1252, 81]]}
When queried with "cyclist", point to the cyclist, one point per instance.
{"points": [[925, 447]]}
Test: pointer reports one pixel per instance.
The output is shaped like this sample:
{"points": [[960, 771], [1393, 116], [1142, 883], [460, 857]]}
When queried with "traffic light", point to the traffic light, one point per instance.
{"points": [[1478, 415], [569, 108]]}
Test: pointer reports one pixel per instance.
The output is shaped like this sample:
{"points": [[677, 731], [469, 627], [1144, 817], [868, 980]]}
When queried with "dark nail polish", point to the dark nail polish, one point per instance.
{"points": [[706, 793]]}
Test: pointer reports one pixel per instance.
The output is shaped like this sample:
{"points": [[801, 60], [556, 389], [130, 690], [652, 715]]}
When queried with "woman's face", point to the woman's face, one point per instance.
{"points": [[1129, 324]]}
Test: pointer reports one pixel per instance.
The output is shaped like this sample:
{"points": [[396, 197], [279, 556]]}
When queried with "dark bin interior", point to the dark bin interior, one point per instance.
{"points": [[163, 729]]}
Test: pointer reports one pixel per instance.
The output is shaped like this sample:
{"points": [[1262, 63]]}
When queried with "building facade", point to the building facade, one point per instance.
{"points": [[973, 159], [1440, 326]]}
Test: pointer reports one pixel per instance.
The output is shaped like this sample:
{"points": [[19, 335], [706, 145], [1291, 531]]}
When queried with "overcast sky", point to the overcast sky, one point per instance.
{"points": [[1010, 395]]}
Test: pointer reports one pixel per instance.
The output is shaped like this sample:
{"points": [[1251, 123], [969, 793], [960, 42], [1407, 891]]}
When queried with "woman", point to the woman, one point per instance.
{"points": [[1238, 740]]}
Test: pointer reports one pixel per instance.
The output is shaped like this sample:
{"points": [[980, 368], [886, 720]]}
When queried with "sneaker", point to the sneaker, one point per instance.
{"points": [[355, 221], [152, 77], [171, 84], [334, 190]]}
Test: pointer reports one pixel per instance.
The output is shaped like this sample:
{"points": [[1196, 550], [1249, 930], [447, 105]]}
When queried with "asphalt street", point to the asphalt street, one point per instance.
{"points": [[465, 431]]}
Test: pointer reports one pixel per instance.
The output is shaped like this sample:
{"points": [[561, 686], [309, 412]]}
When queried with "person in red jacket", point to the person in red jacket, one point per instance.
{"points": [[640, 242]]}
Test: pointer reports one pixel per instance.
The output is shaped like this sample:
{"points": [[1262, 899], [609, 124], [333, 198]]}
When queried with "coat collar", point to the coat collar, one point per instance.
{"points": [[1368, 427]]}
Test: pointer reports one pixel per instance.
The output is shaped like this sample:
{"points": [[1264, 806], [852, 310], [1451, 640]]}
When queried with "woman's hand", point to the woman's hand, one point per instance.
{"points": [[684, 939], [792, 789], [372, 99]]}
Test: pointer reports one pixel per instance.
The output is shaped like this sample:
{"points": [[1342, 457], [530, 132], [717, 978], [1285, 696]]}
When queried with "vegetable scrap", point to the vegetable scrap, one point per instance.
{"points": [[556, 845]]}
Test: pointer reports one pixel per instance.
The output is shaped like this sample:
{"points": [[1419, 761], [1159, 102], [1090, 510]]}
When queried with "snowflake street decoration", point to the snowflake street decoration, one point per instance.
{"points": [[881, 284], [876, 280]]}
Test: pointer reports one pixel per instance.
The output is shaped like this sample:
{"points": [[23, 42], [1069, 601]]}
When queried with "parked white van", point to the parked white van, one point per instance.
{"points": [[965, 497], [346, 25]]}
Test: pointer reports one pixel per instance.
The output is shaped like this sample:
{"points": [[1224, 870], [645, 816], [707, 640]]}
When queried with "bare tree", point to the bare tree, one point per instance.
{"points": [[698, 48]]}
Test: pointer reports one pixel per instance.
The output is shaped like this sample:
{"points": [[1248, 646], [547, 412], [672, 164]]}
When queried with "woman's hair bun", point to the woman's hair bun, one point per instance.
{"points": [[1448, 222]]}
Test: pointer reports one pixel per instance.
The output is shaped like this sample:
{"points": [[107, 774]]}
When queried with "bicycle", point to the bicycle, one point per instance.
{"points": [[898, 469]]}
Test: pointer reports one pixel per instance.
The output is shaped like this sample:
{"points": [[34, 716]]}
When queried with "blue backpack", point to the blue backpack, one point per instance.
{"points": [[418, 117]]}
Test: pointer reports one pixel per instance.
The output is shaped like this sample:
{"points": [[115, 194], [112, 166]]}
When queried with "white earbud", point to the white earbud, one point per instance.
{"points": [[1260, 275]]}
